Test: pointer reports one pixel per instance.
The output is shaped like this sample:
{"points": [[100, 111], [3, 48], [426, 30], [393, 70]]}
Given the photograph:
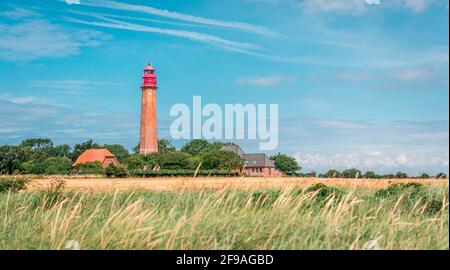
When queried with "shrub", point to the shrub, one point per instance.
{"points": [[325, 191], [181, 173], [412, 192], [12, 184], [116, 171], [90, 168], [408, 189], [441, 176], [266, 198], [53, 194], [134, 162], [57, 165], [174, 160]]}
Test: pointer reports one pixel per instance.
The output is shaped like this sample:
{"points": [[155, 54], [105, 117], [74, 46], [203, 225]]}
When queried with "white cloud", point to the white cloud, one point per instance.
{"points": [[338, 6], [68, 86], [176, 15], [72, 2], [19, 13], [358, 7], [382, 146], [29, 37], [265, 81], [224, 43], [24, 120], [378, 161], [416, 5], [413, 74], [18, 100]]}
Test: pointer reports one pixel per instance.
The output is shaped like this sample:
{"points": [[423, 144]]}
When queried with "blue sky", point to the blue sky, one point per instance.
{"points": [[357, 85]]}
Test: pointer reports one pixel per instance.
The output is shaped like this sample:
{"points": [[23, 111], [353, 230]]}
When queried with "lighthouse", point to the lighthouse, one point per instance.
{"points": [[149, 121]]}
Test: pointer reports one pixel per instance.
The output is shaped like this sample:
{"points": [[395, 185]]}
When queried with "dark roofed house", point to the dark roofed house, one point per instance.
{"points": [[259, 165], [234, 148], [255, 164]]}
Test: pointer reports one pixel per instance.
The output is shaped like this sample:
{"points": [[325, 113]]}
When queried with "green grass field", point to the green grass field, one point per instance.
{"points": [[319, 217]]}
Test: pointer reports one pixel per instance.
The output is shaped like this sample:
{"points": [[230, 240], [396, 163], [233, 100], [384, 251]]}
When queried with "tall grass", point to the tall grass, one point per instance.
{"points": [[315, 218]]}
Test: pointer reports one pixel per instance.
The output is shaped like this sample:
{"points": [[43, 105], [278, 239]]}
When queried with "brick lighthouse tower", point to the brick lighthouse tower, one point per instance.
{"points": [[149, 121]]}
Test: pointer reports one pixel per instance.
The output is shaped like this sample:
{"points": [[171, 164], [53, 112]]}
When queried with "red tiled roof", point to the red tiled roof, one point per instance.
{"points": [[92, 155]]}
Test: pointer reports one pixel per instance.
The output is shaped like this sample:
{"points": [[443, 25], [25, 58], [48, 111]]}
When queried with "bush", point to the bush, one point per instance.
{"points": [[412, 192], [174, 160], [266, 198], [57, 165], [52, 195], [325, 191], [12, 184], [116, 171], [90, 168], [408, 189], [134, 162], [181, 173]]}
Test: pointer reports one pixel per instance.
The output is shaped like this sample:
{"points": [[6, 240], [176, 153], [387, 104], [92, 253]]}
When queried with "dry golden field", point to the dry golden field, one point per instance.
{"points": [[223, 213], [218, 183]]}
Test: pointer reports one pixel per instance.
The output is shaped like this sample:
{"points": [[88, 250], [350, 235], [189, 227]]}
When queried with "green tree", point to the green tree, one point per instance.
{"points": [[285, 164], [198, 146], [424, 176], [134, 162], [401, 175], [136, 148], [165, 146], [351, 173], [90, 168], [173, 160], [57, 165], [11, 158], [441, 176], [60, 151], [116, 171], [370, 175], [332, 174], [152, 160], [221, 160], [37, 144], [118, 150]]}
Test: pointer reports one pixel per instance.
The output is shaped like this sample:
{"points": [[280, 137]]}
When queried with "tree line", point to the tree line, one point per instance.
{"points": [[42, 156], [355, 173]]}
